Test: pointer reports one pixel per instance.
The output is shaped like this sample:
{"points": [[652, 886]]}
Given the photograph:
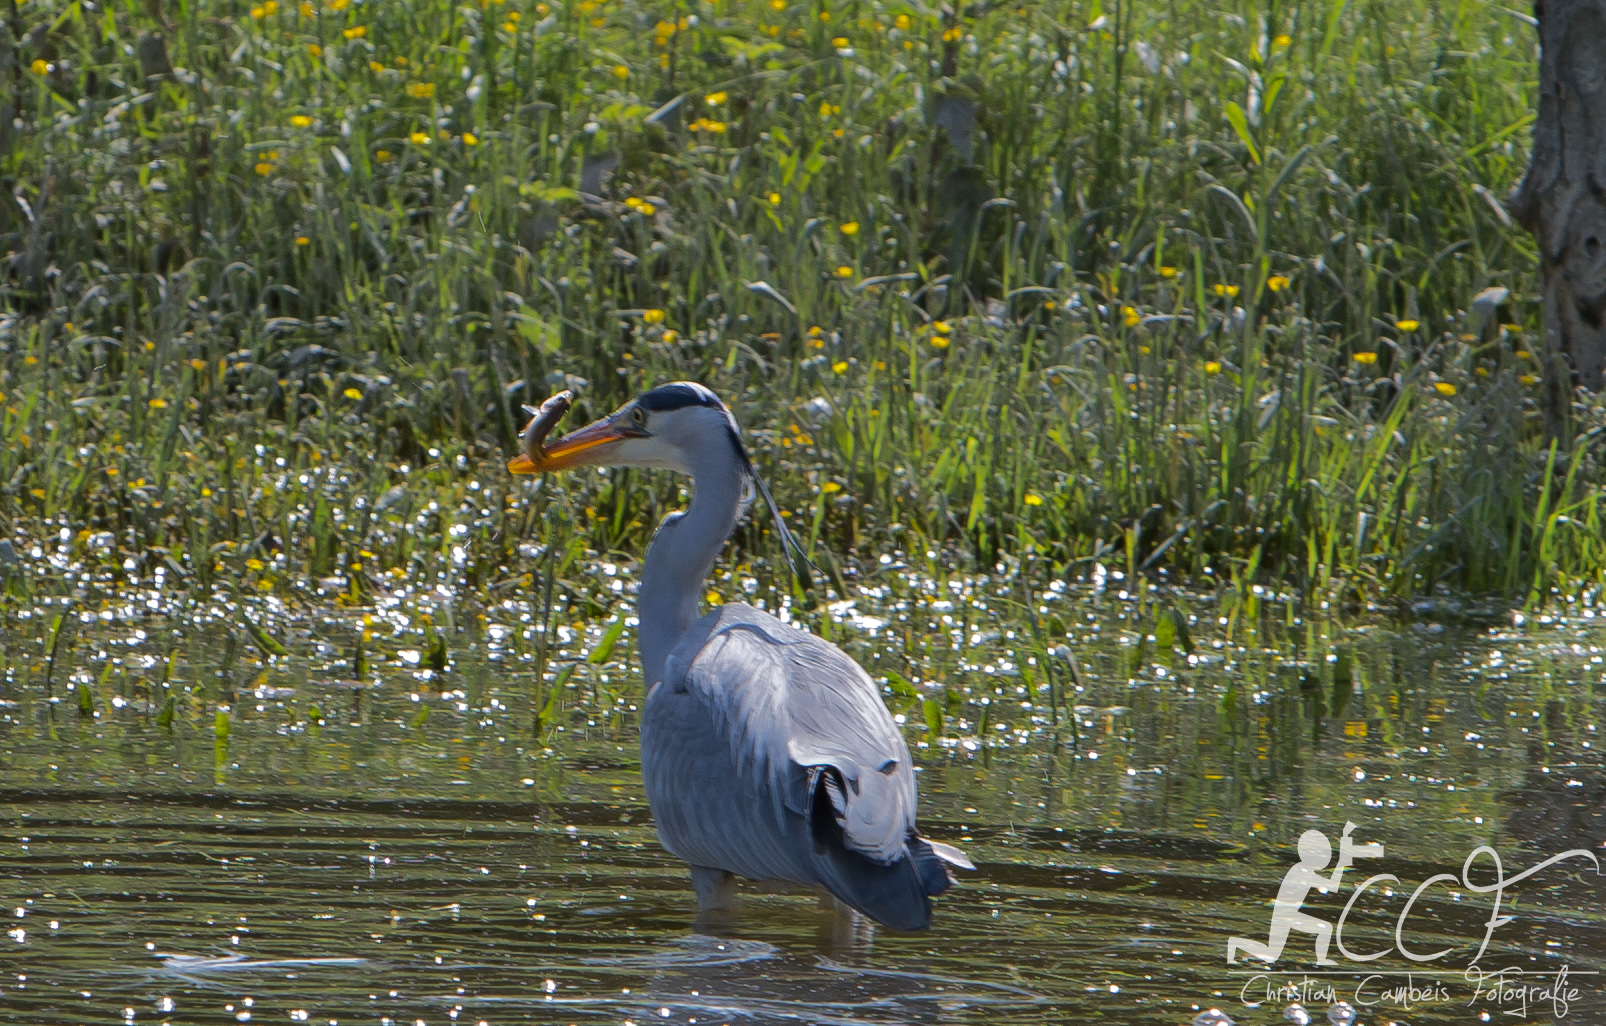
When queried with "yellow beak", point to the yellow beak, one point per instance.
{"points": [[569, 451]]}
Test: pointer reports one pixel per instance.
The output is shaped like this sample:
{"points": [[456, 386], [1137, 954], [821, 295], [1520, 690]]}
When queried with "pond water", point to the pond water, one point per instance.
{"points": [[196, 830]]}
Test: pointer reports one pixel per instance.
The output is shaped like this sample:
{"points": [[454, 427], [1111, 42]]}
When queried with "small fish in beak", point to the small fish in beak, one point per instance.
{"points": [[535, 433]]}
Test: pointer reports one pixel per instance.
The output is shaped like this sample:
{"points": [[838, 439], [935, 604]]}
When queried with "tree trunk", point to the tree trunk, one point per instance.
{"points": [[1562, 199]]}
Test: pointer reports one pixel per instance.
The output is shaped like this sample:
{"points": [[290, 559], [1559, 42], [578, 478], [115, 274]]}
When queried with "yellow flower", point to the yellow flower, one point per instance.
{"points": [[1131, 316], [253, 563], [1277, 282], [264, 168], [111, 471], [1529, 379], [355, 32], [830, 487], [513, 16], [1282, 41], [1367, 358], [1407, 325], [302, 240], [338, 5], [941, 327], [775, 199], [717, 127], [419, 139], [849, 228], [40, 67], [470, 139], [653, 316], [198, 364], [841, 366], [713, 598], [621, 72], [953, 35], [714, 99], [1168, 272], [777, 5], [400, 62], [840, 42], [352, 393], [305, 10], [421, 90], [1523, 354], [1481, 372], [381, 155], [1213, 367], [632, 202], [158, 404], [939, 341], [1032, 499], [508, 26], [671, 335], [444, 134], [271, 7], [375, 67], [647, 209], [1444, 388], [300, 120], [1225, 290], [38, 493], [825, 15], [257, 12], [901, 21], [844, 271]]}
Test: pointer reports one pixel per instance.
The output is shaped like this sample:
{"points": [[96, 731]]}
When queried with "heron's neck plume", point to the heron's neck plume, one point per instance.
{"points": [[681, 555]]}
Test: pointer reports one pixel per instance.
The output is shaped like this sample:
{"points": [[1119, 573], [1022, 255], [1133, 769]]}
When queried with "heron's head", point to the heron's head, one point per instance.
{"points": [[678, 426]]}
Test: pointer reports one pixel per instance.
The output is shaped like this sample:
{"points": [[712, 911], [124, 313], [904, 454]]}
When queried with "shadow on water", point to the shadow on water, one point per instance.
{"points": [[198, 830]]}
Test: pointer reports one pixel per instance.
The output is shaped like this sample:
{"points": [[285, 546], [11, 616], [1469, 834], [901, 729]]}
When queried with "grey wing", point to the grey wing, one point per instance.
{"points": [[789, 717]]}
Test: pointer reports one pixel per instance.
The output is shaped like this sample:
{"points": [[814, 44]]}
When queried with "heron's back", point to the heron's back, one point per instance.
{"points": [[767, 752]]}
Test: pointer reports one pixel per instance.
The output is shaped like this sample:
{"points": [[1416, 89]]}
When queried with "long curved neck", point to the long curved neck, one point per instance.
{"points": [[682, 553]]}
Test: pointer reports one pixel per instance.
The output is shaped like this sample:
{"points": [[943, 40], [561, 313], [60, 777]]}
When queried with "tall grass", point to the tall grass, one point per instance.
{"points": [[1175, 286]]}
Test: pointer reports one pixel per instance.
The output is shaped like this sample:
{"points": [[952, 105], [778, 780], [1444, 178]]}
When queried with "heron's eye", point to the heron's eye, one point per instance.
{"points": [[638, 417]]}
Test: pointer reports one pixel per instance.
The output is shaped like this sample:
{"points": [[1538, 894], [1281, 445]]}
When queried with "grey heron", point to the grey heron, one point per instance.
{"points": [[766, 751]]}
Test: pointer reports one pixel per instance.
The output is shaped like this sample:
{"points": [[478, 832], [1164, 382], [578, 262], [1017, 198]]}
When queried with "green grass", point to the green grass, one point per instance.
{"points": [[1111, 272]]}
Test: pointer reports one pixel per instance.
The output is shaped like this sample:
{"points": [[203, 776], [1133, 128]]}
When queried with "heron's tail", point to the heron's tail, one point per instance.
{"points": [[896, 894]]}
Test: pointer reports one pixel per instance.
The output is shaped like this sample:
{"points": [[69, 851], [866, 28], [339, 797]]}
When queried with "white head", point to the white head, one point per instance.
{"points": [[680, 426]]}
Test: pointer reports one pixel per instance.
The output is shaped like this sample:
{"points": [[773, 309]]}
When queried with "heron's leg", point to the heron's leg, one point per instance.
{"points": [[842, 925], [716, 889]]}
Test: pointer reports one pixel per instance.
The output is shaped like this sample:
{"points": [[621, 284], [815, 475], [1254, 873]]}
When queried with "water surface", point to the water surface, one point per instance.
{"points": [[195, 830]]}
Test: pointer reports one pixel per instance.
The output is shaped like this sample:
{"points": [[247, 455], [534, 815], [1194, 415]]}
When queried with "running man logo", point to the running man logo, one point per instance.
{"points": [[1315, 851]]}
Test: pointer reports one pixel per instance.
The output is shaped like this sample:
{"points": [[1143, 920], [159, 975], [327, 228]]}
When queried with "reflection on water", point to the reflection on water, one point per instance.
{"points": [[196, 831]]}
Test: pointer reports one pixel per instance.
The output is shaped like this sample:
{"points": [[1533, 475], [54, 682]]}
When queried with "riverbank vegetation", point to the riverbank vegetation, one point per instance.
{"points": [[1220, 292]]}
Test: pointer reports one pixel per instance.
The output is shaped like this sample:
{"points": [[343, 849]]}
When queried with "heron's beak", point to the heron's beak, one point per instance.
{"points": [[572, 450]]}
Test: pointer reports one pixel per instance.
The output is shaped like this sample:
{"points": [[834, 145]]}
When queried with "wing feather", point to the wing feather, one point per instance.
{"points": [[788, 703]]}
